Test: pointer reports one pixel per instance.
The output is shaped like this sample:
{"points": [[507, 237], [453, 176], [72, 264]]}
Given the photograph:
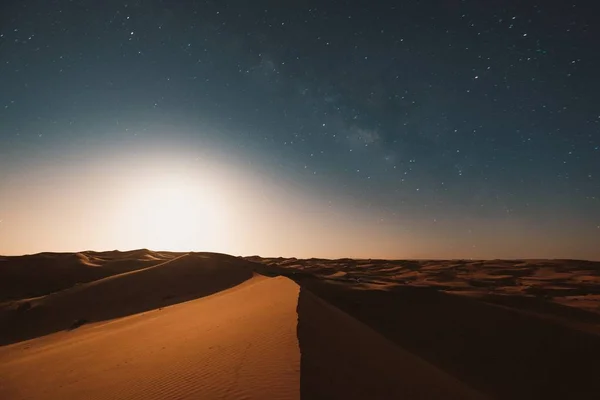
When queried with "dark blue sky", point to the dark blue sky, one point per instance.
{"points": [[444, 117]]}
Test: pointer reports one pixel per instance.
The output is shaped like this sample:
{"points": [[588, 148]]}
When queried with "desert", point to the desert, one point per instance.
{"points": [[163, 325]]}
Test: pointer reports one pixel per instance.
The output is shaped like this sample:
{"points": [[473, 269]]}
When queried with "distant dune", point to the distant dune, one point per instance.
{"points": [[159, 325], [44, 273]]}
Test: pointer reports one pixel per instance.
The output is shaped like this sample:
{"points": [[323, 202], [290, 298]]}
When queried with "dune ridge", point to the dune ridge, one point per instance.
{"points": [[176, 280]]}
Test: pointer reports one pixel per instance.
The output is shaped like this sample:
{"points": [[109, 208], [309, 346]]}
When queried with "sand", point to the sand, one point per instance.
{"points": [[158, 325], [343, 358], [238, 344], [182, 278], [499, 326], [40, 274]]}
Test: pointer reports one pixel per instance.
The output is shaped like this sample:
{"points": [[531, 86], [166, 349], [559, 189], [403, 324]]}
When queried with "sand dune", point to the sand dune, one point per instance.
{"points": [[238, 344], [44, 273], [174, 281], [158, 325]]}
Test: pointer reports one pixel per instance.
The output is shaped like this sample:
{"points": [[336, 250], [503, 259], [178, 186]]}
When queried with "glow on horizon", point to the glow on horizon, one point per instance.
{"points": [[172, 213], [174, 200]]}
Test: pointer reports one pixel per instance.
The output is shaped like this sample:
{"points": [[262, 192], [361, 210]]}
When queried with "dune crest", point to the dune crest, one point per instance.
{"points": [[177, 280]]}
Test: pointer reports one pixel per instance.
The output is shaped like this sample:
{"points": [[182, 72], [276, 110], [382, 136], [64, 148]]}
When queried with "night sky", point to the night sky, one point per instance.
{"points": [[417, 129]]}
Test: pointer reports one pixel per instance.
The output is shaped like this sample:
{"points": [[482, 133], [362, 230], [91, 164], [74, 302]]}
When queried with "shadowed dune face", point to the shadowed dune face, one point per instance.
{"points": [[341, 358], [45, 273], [180, 279], [501, 352]]}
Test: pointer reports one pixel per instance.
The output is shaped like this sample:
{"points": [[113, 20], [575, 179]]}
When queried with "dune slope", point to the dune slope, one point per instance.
{"points": [[183, 278], [345, 359], [239, 344], [501, 352]]}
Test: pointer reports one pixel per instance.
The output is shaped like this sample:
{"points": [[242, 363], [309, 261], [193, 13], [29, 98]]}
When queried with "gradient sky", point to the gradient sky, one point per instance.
{"points": [[418, 129]]}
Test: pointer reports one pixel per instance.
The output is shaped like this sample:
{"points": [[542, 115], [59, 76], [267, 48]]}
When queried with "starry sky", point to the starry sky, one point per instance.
{"points": [[375, 129]]}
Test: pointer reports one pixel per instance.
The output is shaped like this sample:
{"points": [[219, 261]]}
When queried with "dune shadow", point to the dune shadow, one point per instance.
{"points": [[498, 351], [342, 358]]}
